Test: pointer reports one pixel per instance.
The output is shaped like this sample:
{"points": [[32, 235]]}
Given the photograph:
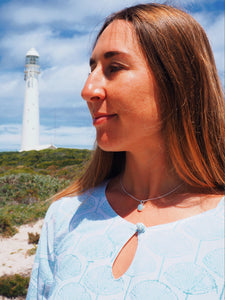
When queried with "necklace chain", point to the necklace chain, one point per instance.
{"points": [[141, 202]]}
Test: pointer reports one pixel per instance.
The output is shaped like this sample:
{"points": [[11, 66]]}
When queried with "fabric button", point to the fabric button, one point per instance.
{"points": [[140, 227]]}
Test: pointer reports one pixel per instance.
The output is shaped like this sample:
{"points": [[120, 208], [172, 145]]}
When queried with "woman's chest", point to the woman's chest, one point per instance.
{"points": [[177, 262]]}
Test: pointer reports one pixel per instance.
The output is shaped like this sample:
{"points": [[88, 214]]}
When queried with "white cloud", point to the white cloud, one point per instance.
{"points": [[53, 49], [82, 137], [37, 13], [216, 34], [10, 137], [69, 136], [204, 1], [11, 84], [69, 14], [215, 30], [63, 83], [72, 12]]}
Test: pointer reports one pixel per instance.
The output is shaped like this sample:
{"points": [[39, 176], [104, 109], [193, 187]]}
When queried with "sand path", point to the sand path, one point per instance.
{"points": [[13, 251]]}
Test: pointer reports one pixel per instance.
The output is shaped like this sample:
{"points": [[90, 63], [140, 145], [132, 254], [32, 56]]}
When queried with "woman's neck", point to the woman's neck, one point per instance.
{"points": [[148, 174]]}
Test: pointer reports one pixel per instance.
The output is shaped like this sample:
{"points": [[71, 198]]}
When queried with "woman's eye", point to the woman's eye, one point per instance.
{"points": [[114, 68]]}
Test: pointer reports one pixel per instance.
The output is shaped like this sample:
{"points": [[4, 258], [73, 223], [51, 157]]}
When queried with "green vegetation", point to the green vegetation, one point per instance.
{"points": [[28, 188], [6, 227], [32, 251], [61, 162], [23, 198], [29, 179], [13, 285], [33, 238]]}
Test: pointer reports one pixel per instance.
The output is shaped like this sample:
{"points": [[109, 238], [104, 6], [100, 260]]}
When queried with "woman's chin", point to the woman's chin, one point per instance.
{"points": [[108, 144]]}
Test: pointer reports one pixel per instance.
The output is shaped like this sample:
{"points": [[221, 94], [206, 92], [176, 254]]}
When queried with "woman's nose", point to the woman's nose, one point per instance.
{"points": [[94, 88]]}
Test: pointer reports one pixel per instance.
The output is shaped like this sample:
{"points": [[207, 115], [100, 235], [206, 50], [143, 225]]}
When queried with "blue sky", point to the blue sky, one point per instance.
{"points": [[62, 31]]}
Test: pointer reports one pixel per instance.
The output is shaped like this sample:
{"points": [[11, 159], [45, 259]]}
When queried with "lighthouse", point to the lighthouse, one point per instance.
{"points": [[30, 129]]}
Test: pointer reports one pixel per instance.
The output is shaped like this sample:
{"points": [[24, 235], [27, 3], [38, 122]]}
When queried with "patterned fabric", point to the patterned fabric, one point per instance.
{"points": [[82, 236]]}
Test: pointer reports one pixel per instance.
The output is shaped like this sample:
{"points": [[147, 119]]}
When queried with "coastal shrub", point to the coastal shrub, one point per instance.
{"points": [[19, 214], [33, 238], [17, 170], [29, 188], [29, 179], [13, 285], [6, 227], [51, 157], [32, 251], [70, 172]]}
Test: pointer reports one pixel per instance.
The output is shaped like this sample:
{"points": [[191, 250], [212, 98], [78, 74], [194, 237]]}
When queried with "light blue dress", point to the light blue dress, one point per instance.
{"points": [[82, 236]]}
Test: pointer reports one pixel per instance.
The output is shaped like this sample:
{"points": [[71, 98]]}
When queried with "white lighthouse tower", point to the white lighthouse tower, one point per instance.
{"points": [[30, 133]]}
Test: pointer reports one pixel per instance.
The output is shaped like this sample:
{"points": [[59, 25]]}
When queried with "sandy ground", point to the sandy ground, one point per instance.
{"points": [[14, 257]]}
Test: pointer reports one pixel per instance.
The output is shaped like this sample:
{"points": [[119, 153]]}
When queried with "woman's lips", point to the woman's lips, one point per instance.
{"points": [[99, 119]]}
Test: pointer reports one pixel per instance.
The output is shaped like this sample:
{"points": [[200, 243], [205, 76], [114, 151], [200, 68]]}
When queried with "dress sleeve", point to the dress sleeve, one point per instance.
{"points": [[41, 280]]}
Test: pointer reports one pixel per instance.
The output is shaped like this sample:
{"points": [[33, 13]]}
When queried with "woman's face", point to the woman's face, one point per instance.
{"points": [[121, 93]]}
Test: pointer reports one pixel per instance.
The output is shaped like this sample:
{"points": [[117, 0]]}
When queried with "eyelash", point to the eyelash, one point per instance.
{"points": [[114, 68], [110, 69]]}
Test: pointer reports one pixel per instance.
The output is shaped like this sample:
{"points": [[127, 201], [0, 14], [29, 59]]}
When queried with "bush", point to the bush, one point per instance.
{"points": [[6, 227], [29, 178], [13, 285], [33, 238], [34, 159], [32, 251], [29, 188], [19, 214]]}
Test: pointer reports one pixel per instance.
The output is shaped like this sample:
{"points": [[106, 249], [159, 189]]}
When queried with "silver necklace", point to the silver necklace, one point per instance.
{"points": [[142, 202]]}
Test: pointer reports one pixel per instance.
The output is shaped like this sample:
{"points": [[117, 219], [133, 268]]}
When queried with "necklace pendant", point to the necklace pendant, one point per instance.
{"points": [[140, 207]]}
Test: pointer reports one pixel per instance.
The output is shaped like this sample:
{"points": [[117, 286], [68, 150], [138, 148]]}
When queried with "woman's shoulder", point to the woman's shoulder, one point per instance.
{"points": [[61, 212], [69, 204]]}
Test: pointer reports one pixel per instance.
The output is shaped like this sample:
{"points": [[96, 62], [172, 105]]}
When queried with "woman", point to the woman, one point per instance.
{"points": [[145, 221]]}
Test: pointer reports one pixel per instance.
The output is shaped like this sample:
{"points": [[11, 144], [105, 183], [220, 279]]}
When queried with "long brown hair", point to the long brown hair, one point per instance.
{"points": [[191, 98]]}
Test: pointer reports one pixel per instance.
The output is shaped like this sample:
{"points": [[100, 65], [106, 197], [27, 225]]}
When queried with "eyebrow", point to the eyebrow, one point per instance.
{"points": [[107, 55]]}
